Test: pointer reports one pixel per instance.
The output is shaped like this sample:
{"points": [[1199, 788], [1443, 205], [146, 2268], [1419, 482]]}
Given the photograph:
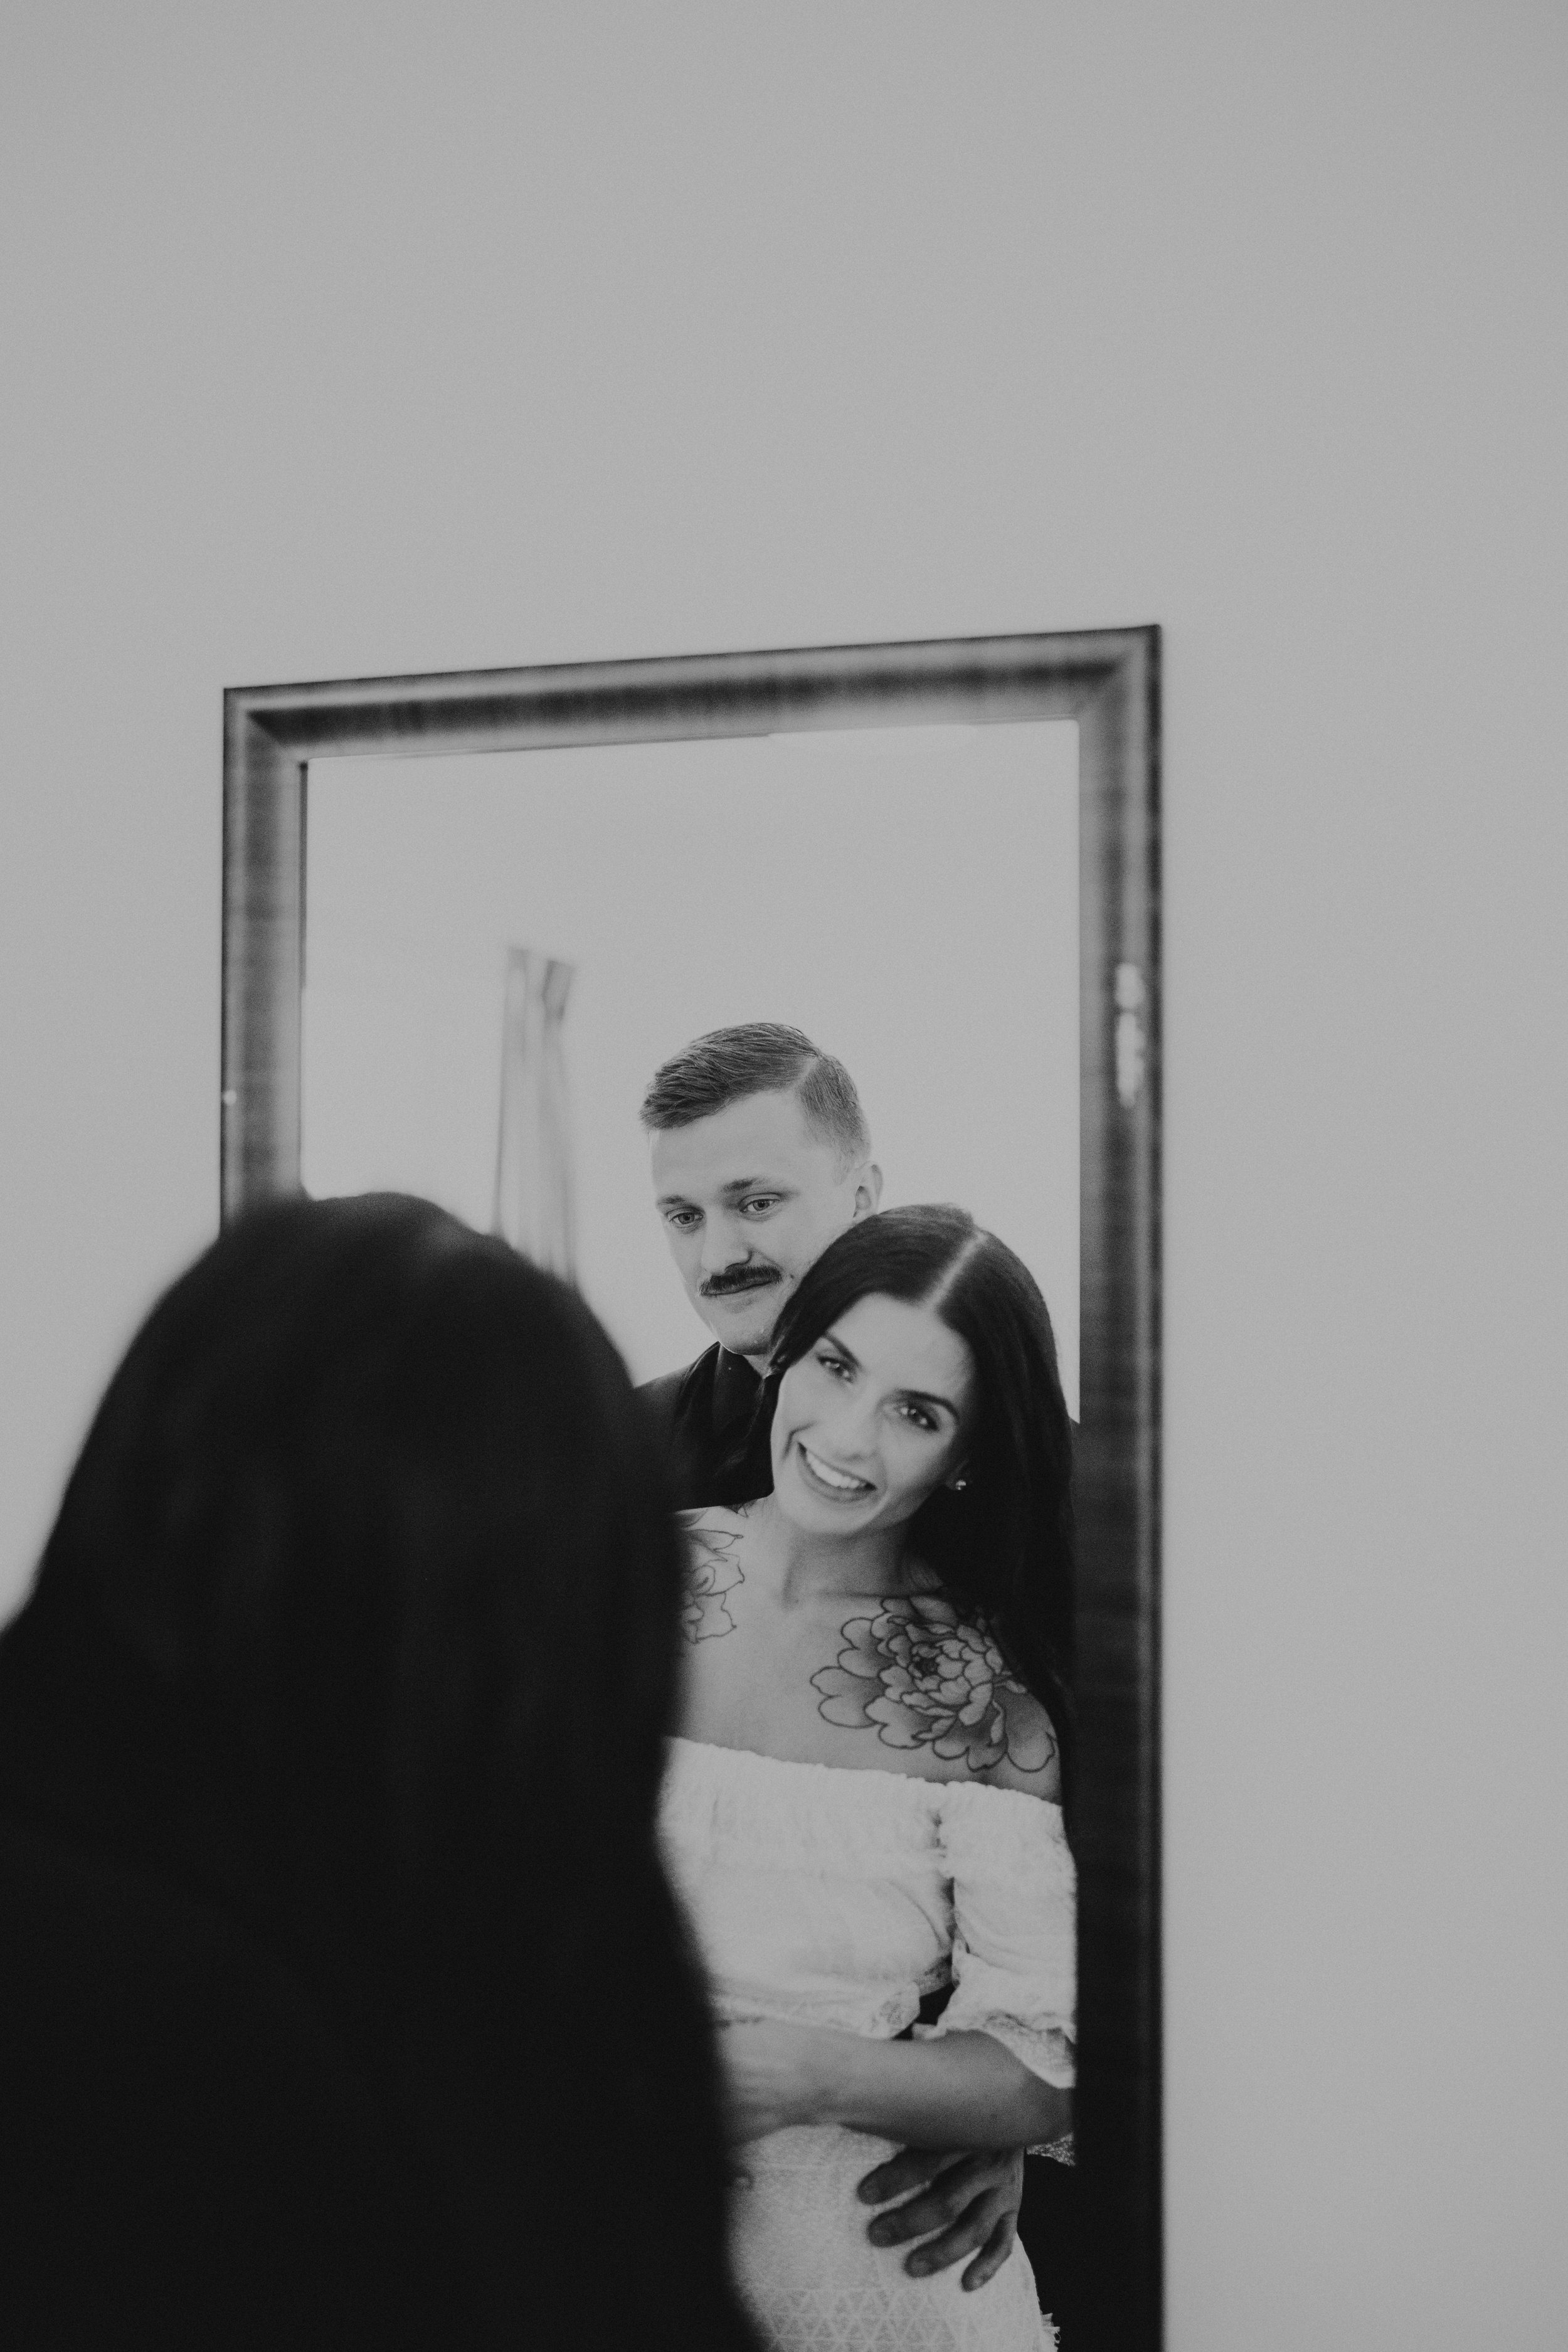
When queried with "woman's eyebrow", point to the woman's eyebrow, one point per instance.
{"points": [[929, 1396]]}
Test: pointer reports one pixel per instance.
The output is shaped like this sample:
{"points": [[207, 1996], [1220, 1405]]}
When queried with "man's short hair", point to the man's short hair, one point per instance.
{"points": [[759, 1057]]}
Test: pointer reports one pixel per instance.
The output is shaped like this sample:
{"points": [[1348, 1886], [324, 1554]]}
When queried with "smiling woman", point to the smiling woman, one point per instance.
{"points": [[865, 1803], [871, 1413], [951, 1422]]}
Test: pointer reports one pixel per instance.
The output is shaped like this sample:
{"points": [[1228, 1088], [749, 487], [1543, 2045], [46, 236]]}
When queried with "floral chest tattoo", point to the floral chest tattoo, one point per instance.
{"points": [[916, 1673], [920, 1676]]}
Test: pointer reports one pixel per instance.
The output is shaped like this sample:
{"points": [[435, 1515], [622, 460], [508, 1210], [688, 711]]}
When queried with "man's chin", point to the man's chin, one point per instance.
{"points": [[744, 1324]]}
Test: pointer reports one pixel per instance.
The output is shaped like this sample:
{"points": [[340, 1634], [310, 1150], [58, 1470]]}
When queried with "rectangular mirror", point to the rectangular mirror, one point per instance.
{"points": [[940, 861]]}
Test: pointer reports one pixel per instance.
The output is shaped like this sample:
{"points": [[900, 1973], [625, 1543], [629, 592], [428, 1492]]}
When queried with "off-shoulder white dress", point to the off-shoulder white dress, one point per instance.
{"points": [[836, 1897]]}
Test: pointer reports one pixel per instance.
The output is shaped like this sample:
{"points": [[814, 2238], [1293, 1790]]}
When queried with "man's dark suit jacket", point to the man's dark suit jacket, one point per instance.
{"points": [[701, 1415]]}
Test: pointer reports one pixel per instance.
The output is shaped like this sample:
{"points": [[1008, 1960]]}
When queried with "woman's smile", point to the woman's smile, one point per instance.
{"points": [[840, 1484]]}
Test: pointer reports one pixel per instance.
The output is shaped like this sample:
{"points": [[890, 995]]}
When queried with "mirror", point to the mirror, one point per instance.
{"points": [[526, 888]]}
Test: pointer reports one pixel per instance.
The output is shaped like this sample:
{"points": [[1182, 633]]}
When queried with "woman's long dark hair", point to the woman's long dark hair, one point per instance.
{"points": [[1005, 1545], [368, 1533]]}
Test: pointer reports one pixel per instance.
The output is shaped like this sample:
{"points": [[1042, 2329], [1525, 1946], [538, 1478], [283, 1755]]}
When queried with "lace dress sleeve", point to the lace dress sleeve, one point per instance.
{"points": [[1015, 1931]]}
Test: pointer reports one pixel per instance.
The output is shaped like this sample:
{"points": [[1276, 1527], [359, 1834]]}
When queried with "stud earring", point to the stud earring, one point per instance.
{"points": [[959, 1485]]}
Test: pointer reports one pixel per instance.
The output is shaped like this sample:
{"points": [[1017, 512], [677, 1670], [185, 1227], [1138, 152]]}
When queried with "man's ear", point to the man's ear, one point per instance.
{"points": [[868, 1191]]}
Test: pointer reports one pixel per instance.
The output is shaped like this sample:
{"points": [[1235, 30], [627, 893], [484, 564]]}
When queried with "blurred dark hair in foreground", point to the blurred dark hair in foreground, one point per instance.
{"points": [[341, 1991]]}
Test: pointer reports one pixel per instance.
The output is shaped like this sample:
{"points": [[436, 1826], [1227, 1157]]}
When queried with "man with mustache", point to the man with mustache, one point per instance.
{"points": [[761, 1156]]}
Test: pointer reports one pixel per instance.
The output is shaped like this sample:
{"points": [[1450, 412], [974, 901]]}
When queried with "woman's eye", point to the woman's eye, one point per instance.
{"points": [[835, 1365], [919, 1415]]}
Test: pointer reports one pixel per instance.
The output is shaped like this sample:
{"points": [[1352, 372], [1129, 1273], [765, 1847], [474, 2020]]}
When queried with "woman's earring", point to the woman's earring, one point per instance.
{"points": [[959, 1485]]}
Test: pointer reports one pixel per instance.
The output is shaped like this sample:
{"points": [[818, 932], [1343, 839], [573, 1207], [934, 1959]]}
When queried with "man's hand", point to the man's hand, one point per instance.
{"points": [[968, 2197]]}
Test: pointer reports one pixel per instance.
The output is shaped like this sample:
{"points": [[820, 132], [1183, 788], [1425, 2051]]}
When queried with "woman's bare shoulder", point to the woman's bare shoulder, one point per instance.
{"points": [[1031, 1760], [716, 1516], [927, 1673], [715, 1546], [1023, 1752], [714, 1532]]}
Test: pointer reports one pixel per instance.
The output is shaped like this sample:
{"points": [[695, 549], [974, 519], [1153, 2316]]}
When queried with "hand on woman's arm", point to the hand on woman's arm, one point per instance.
{"points": [[773, 2076], [959, 2090]]}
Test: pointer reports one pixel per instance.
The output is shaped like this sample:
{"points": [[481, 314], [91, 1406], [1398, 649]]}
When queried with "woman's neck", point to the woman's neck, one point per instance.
{"points": [[805, 1566]]}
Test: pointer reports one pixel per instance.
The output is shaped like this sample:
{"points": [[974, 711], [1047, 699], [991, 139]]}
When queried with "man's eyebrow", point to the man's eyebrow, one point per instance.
{"points": [[735, 1190]]}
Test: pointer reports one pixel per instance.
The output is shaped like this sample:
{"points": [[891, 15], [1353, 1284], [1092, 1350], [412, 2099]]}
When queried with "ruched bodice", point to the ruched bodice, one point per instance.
{"points": [[836, 1897], [828, 1897]]}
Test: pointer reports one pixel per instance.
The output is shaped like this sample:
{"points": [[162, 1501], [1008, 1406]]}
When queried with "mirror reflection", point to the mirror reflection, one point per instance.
{"points": [[906, 897], [706, 1028]]}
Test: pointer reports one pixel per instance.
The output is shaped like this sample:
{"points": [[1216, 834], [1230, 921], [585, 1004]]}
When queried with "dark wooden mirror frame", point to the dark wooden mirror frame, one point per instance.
{"points": [[1109, 681]]}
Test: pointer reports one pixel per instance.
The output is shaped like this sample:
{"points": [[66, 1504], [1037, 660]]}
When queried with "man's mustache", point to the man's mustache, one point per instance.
{"points": [[749, 1278]]}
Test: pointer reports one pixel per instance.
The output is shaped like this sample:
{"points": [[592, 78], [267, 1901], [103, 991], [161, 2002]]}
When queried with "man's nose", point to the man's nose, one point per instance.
{"points": [[724, 1244]]}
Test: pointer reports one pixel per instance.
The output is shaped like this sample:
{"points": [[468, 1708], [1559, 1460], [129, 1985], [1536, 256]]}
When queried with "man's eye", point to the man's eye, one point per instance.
{"points": [[760, 1203], [681, 1219]]}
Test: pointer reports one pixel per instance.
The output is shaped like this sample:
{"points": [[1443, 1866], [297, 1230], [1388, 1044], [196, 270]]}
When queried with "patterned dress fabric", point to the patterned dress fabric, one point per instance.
{"points": [[836, 1897]]}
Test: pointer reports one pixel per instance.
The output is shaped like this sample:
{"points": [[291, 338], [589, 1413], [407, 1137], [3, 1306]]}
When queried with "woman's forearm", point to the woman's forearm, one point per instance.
{"points": [[959, 2090]]}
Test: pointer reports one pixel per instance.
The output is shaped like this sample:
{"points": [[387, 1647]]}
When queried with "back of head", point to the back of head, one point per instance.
{"points": [[362, 1483], [1004, 1544], [753, 1057], [369, 1520]]}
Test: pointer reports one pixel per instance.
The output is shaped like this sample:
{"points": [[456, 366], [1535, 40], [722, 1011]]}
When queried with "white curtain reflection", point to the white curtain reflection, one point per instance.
{"points": [[535, 1208]]}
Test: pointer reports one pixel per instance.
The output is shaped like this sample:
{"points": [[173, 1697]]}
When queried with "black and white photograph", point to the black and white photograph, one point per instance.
{"points": [[781, 1303], [928, 1514]]}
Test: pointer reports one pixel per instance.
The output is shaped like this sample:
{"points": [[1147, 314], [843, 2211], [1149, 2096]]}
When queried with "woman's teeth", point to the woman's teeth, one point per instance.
{"points": [[838, 1478]]}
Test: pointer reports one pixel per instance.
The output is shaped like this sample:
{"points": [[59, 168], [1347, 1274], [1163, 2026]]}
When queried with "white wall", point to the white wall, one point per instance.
{"points": [[345, 339]]}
